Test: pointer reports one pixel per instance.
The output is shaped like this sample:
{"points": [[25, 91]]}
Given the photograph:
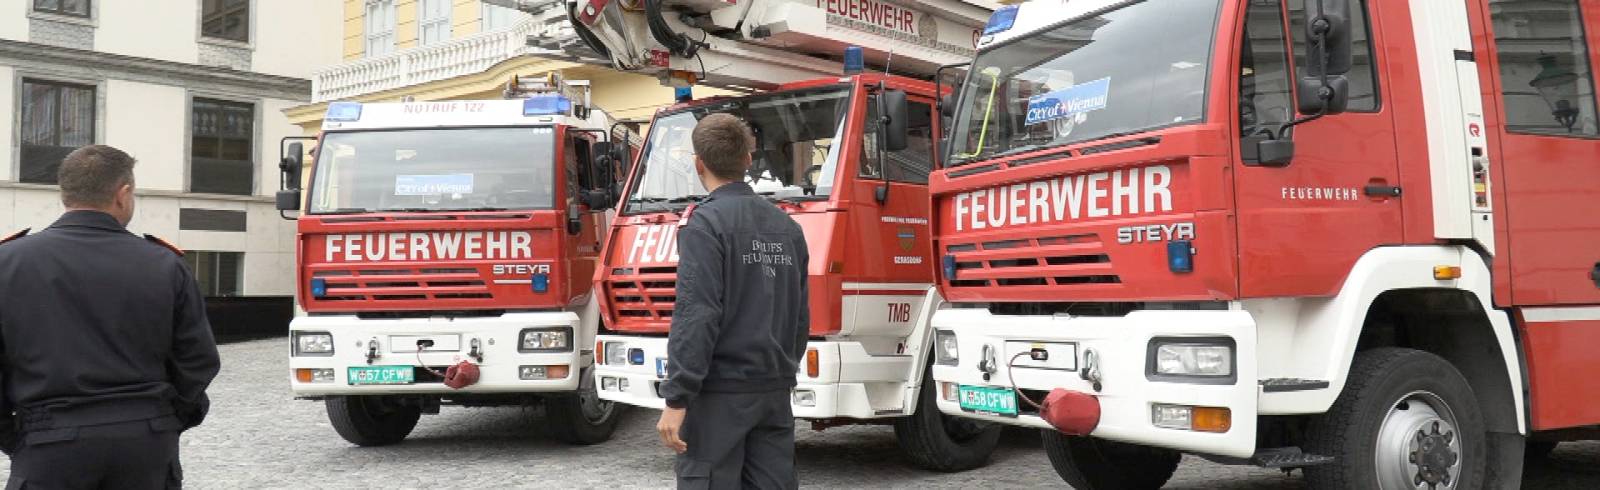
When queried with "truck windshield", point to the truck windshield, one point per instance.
{"points": [[1138, 67], [796, 155], [419, 170]]}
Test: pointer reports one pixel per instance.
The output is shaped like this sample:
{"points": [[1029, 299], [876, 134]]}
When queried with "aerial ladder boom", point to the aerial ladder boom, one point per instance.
{"points": [[758, 44]]}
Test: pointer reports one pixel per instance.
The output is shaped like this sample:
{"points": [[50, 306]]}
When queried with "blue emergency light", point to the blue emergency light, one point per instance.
{"points": [[1180, 256], [540, 282], [343, 111], [319, 287], [1001, 20], [854, 60], [683, 94], [636, 356], [546, 105], [950, 267]]}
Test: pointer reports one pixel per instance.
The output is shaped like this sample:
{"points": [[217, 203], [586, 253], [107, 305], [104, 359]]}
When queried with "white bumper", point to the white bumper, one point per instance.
{"points": [[1122, 346], [397, 346], [850, 383]]}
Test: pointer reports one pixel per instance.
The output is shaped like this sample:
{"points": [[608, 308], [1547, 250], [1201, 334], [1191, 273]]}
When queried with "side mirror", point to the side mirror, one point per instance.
{"points": [[290, 164], [289, 200], [947, 105], [894, 111], [574, 219], [1325, 89]]}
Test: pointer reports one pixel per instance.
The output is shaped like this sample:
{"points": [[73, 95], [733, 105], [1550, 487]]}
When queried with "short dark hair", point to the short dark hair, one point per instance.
{"points": [[90, 176], [724, 143]]}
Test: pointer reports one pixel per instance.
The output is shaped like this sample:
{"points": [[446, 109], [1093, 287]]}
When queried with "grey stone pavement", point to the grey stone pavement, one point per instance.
{"points": [[258, 436]]}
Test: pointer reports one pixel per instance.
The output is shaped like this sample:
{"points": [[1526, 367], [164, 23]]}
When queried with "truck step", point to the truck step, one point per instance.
{"points": [[1287, 457], [1277, 385]]}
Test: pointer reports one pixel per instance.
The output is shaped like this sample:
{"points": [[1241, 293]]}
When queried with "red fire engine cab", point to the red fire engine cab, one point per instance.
{"points": [[845, 153], [445, 256], [1355, 237]]}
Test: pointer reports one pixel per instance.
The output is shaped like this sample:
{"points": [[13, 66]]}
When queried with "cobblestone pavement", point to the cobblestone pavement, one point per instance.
{"points": [[257, 436]]}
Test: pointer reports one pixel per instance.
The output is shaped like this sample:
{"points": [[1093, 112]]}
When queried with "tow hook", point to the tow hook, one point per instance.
{"points": [[1091, 368], [477, 350], [372, 350]]}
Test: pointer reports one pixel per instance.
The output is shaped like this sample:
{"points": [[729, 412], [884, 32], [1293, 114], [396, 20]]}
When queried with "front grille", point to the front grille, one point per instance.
{"points": [[644, 294], [1061, 262], [403, 284]]}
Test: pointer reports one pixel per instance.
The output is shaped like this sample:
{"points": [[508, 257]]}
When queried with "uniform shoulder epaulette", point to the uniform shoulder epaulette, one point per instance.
{"points": [[164, 243], [683, 218], [15, 236]]}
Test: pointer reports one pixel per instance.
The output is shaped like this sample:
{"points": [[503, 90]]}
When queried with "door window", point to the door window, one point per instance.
{"points": [[910, 165], [1545, 78]]}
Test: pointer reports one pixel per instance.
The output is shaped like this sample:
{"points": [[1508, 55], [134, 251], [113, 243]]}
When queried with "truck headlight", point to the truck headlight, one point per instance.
{"points": [[945, 349], [1192, 357], [548, 339], [616, 353], [313, 344]]}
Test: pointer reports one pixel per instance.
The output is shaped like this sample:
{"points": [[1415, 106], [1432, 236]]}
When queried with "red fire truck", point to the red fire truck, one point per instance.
{"points": [[445, 256], [1354, 237], [824, 154]]}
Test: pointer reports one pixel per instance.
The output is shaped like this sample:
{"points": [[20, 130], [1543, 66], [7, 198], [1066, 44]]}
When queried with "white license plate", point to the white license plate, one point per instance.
{"points": [[661, 367]]}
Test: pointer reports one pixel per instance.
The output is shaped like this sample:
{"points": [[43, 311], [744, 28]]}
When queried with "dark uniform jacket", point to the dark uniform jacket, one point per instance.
{"points": [[100, 326], [741, 318]]}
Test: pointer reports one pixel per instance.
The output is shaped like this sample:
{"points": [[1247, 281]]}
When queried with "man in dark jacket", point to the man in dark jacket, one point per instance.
{"points": [[106, 349], [739, 326]]}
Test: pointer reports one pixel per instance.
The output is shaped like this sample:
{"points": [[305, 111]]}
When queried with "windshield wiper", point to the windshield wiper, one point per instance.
{"points": [[404, 210], [343, 211], [480, 208]]}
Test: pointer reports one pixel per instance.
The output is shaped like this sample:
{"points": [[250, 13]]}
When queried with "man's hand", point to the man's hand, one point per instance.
{"points": [[670, 424]]}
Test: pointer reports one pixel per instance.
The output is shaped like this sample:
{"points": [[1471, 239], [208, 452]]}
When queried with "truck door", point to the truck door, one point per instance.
{"points": [[1542, 72], [585, 244], [893, 240], [1303, 225]]}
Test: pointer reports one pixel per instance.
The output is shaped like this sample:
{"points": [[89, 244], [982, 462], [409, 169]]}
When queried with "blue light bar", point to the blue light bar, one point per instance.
{"points": [[854, 60], [319, 287], [636, 356], [546, 105], [540, 282], [1001, 20], [950, 267], [683, 94], [343, 111], [1180, 256]]}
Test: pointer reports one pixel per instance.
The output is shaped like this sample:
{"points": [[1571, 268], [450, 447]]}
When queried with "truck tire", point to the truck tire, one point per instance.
{"points": [[371, 420], [1404, 416], [1088, 463], [582, 418], [935, 441]]}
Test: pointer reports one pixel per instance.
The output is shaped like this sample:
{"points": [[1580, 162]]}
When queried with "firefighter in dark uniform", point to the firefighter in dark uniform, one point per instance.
{"points": [[107, 352], [739, 327]]}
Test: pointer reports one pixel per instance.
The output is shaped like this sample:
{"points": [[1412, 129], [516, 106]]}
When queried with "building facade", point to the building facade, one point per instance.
{"points": [[456, 50], [195, 90]]}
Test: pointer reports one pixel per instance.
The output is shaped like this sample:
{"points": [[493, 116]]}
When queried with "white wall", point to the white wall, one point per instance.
{"points": [[297, 37], [14, 19], [8, 116], [148, 122], [274, 127], [161, 29]]}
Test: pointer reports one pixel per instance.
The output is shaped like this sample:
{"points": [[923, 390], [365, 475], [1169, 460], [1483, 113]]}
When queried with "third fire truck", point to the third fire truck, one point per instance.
{"points": [[1354, 237]]}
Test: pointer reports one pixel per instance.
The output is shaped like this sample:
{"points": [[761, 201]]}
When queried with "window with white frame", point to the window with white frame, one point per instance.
{"points": [[380, 27], [495, 17], [433, 21]]}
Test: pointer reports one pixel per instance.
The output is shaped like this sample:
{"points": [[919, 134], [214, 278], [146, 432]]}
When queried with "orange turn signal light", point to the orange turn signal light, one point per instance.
{"points": [[1446, 272], [813, 363], [599, 352], [302, 375], [1211, 419], [558, 371]]}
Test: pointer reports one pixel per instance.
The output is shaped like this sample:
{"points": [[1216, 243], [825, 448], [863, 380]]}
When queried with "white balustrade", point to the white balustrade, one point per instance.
{"points": [[463, 56]]}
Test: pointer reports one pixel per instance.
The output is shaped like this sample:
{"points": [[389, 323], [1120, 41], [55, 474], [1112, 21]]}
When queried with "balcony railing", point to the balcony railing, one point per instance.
{"points": [[464, 56]]}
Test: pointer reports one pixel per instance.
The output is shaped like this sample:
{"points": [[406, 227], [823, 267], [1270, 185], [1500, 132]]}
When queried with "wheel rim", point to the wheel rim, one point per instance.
{"points": [[1418, 444], [595, 410]]}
